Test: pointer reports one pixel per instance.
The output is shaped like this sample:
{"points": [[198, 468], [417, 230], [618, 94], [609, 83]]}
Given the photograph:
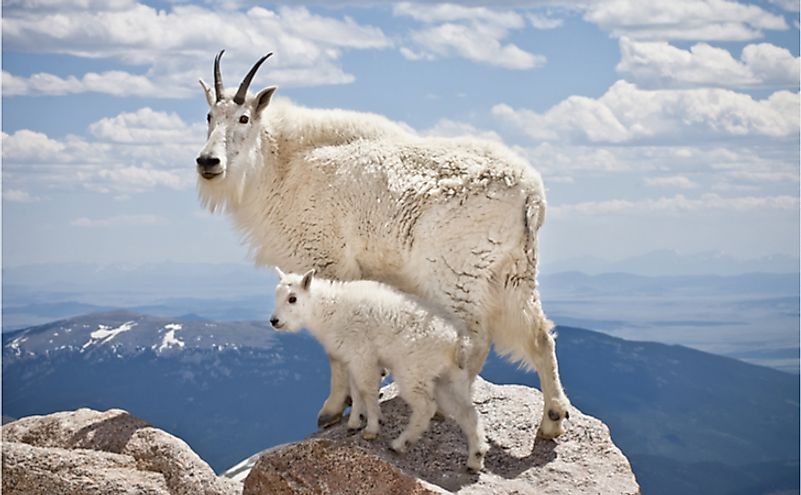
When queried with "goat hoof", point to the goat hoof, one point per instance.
{"points": [[438, 416], [398, 446], [326, 420], [567, 415], [475, 465], [369, 435]]}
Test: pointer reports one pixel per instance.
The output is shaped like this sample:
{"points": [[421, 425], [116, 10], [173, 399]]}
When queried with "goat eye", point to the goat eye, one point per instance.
{"points": [[243, 119], [292, 299]]}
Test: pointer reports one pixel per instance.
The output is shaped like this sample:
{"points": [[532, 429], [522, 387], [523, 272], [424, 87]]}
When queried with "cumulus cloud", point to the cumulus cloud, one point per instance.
{"points": [[177, 45], [659, 64], [679, 203], [540, 21], [721, 20], [674, 181], [146, 126], [131, 152], [626, 113], [473, 33], [453, 128], [117, 83], [20, 196], [118, 221]]}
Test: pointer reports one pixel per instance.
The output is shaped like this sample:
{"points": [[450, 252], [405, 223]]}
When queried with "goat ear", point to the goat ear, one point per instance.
{"points": [[307, 278], [207, 90], [280, 273], [263, 99]]}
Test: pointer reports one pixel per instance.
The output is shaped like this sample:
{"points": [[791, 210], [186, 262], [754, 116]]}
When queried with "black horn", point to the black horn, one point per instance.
{"points": [[239, 98], [218, 84]]}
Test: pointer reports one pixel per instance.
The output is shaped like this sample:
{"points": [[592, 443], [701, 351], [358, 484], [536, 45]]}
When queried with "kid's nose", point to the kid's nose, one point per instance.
{"points": [[273, 321]]}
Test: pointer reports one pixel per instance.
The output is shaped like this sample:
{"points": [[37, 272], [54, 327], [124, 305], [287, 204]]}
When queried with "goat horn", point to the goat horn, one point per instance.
{"points": [[239, 98], [218, 84]]}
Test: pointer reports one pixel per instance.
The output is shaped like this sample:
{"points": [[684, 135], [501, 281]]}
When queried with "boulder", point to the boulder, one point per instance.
{"points": [[337, 461], [111, 452]]}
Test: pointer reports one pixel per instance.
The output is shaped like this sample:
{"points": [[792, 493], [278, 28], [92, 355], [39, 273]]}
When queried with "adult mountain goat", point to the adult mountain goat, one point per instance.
{"points": [[356, 196]]}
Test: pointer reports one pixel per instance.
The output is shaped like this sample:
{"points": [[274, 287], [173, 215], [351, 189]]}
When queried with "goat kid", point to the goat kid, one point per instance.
{"points": [[368, 325]]}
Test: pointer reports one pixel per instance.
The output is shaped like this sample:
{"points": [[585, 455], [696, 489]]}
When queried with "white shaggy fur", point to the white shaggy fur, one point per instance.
{"points": [[366, 326], [356, 196]]}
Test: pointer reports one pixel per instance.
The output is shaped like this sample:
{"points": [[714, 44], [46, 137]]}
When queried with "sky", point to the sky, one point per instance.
{"points": [[668, 125]]}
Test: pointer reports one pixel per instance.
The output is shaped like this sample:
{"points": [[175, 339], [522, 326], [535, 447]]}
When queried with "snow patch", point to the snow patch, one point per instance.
{"points": [[170, 340], [105, 333], [14, 345]]}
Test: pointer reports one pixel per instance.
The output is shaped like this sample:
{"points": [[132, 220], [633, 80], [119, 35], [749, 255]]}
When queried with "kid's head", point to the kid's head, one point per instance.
{"points": [[291, 301]]}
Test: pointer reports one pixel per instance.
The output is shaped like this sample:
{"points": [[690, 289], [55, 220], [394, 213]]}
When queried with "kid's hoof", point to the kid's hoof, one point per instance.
{"points": [[475, 462], [438, 416], [398, 446], [369, 435], [553, 420], [354, 423], [326, 420]]}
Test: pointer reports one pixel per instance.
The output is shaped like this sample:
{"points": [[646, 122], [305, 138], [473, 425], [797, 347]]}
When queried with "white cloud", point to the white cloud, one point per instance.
{"points": [[659, 64], [626, 113], [473, 33], [788, 5], [176, 46], [20, 196], [119, 221], [709, 202], [453, 128], [146, 126], [132, 152], [543, 21], [117, 83], [674, 181], [683, 19]]}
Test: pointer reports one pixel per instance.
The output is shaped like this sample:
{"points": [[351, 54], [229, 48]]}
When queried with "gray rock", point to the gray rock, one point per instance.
{"points": [[119, 443], [582, 461], [32, 470]]}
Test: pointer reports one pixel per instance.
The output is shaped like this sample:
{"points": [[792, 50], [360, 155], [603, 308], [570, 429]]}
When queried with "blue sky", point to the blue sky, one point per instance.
{"points": [[658, 125]]}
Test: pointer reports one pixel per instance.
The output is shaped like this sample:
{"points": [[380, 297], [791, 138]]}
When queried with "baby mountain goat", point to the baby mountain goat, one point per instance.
{"points": [[367, 325]]}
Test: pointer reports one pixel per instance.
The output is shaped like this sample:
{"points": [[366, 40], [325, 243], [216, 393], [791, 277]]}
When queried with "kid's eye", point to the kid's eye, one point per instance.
{"points": [[243, 119], [292, 299]]}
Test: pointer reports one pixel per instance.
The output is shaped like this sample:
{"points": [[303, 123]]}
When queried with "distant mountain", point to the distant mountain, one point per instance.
{"points": [[228, 389], [690, 422], [669, 262]]}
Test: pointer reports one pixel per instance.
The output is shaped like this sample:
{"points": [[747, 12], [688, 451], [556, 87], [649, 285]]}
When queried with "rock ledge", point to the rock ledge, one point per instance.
{"points": [[336, 461]]}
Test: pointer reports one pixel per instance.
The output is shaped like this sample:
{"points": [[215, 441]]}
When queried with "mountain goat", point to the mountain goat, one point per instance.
{"points": [[367, 325], [356, 196]]}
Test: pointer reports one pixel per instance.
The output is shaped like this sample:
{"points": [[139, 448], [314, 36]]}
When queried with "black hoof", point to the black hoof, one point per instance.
{"points": [[326, 420], [553, 415], [567, 415]]}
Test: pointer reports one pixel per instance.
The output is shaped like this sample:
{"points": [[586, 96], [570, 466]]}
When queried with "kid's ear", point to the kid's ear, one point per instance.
{"points": [[307, 278], [280, 273], [263, 99]]}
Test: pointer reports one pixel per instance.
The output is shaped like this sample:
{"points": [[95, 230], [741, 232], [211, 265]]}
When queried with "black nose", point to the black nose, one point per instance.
{"points": [[207, 161], [273, 321]]}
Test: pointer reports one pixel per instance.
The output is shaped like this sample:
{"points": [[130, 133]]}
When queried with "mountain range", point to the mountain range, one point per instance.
{"points": [[690, 422]]}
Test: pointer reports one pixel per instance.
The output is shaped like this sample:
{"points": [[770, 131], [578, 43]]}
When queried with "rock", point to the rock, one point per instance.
{"points": [[336, 461], [112, 452], [28, 469]]}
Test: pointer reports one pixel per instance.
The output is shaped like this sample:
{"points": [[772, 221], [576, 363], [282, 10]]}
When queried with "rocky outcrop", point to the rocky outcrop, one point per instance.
{"points": [[584, 460], [109, 453]]}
